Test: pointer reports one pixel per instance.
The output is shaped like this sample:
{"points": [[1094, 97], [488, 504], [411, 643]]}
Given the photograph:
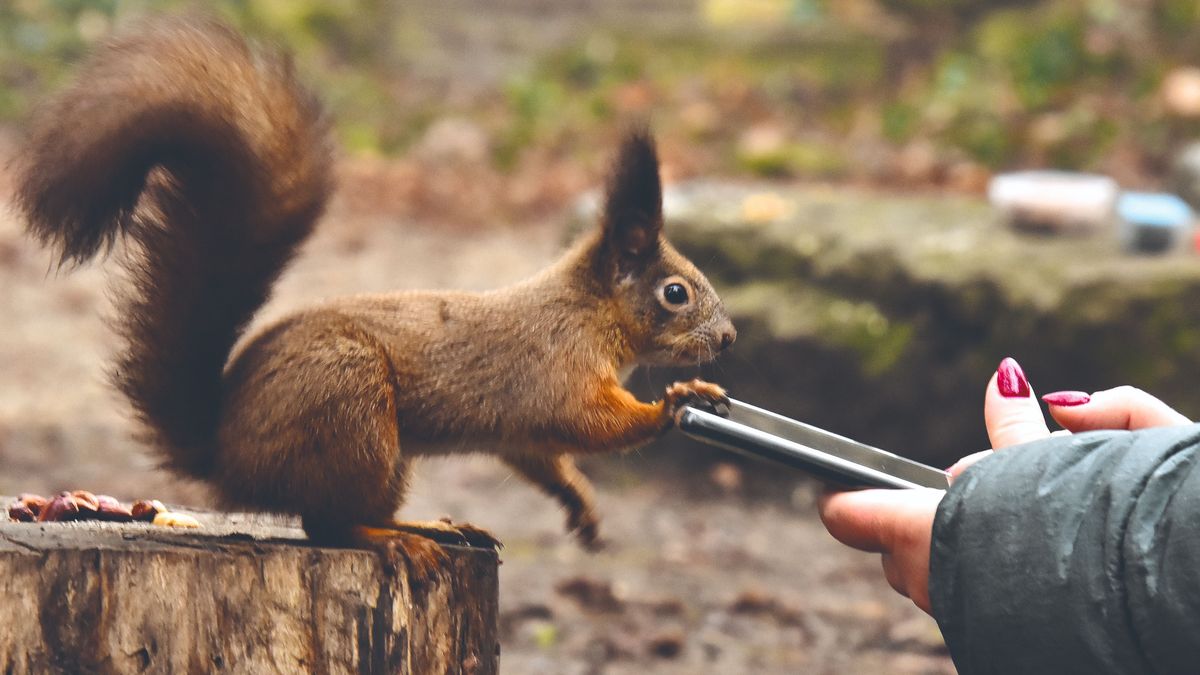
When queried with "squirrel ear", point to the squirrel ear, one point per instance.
{"points": [[633, 203]]}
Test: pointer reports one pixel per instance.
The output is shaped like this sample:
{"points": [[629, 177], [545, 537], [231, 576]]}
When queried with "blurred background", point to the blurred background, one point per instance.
{"points": [[828, 167]]}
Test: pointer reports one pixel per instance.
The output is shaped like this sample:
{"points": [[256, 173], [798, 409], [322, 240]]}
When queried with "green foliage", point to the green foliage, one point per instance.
{"points": [[1003, 84], [899, 121], [342, 46], [1042, 58], [808, 159], [536, 105]]}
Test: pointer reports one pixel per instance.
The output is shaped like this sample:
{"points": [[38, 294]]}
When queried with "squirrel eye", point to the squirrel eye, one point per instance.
{"points": [[675, 294]]}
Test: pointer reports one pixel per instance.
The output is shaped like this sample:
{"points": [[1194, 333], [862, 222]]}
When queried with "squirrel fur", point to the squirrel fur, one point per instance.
{"points": [[217, 163]]}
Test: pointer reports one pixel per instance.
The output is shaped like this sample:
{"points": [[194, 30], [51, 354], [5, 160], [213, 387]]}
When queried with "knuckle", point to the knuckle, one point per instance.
{"points": [[1128, 391]]}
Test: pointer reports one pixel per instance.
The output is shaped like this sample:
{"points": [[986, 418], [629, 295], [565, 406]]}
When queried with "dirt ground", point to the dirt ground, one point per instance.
{"points": [[703, 574]]}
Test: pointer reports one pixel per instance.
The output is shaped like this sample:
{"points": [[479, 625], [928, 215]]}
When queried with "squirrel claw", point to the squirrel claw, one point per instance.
{"points": [[477, 536], [445, 531], [720, 408]]}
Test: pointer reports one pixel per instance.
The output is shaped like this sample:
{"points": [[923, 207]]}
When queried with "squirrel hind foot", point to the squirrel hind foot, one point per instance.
{"points": [[590, 541], [421, 557], [584, 525]]}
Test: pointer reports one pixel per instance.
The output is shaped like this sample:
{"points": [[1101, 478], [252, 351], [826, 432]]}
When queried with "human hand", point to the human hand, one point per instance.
{"points": [[898, 524]]}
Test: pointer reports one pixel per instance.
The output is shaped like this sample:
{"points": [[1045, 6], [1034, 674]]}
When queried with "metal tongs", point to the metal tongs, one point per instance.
{"points": [[752, 431]]}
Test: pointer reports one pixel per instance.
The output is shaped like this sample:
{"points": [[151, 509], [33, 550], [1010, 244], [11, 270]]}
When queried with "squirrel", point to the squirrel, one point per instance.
{"points": [[216, 163]]}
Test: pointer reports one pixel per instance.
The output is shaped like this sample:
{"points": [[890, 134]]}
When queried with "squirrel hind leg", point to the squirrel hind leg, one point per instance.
{"points": [[558, 477]]}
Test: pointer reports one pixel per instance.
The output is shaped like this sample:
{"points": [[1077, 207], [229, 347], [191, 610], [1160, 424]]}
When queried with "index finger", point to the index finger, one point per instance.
{"points": [[1125, 407]]}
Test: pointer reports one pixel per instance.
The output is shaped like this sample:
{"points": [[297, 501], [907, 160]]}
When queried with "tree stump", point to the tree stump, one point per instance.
{"points": [[243, 594]]}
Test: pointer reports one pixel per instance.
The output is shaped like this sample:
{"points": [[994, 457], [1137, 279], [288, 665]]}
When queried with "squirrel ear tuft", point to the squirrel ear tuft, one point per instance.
{"points": [[632, 217]]}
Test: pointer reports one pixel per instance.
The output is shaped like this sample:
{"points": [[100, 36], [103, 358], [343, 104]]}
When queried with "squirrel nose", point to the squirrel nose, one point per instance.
{"points": [[727, 337]]}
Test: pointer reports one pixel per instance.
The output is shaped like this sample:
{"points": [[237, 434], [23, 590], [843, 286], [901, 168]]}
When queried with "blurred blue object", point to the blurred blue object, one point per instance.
{"points": [[1153, 222]]}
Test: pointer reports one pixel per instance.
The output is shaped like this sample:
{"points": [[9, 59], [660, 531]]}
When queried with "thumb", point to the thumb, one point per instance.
{"points": [[877, 521], [1010, 411]]}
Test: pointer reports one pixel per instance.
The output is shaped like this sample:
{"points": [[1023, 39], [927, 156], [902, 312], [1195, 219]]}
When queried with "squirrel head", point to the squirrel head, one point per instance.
{"points": [[667, 309]]}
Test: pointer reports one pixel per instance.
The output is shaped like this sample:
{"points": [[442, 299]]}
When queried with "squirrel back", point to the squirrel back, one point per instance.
{"points": [[217, 163]]}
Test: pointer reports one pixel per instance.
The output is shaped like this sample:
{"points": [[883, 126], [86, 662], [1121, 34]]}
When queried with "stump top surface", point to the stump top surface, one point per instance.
{"points": [[220, 532]]}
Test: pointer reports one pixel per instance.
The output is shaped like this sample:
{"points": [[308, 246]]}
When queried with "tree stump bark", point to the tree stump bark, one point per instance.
{"points": [[243, 594]]}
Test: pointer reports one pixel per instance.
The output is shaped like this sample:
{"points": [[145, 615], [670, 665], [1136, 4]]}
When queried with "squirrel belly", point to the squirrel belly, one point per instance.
{"points": [[217, 164]]}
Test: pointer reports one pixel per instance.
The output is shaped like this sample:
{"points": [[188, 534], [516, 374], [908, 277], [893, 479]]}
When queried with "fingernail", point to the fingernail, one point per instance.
{"points": [[1067, 398], [1011, 380]]}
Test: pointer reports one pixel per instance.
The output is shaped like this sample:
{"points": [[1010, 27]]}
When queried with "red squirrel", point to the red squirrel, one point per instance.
{"points": [[216, 164]]}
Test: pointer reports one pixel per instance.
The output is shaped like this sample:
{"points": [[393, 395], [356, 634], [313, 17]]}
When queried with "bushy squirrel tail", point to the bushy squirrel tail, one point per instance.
{"points": [[216, 163]]}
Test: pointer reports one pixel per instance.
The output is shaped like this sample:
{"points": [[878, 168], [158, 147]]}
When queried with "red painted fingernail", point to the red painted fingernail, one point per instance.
{"points": [[1011, 380], [1067, 398]]}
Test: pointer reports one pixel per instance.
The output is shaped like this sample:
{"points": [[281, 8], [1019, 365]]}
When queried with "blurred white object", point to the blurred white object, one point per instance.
{"points": [[1055, 201]]}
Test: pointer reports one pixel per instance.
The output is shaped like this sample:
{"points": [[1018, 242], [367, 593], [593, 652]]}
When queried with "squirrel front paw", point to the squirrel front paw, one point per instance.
{"points": [[696, 393]]}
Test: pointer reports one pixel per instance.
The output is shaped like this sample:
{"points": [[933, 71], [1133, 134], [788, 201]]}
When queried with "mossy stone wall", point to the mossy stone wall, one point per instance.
{"points": [[882, 316]]}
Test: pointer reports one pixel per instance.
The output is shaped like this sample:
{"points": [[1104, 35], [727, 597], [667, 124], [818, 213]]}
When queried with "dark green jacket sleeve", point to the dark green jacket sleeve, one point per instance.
{"points": [[1076, 554]]}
